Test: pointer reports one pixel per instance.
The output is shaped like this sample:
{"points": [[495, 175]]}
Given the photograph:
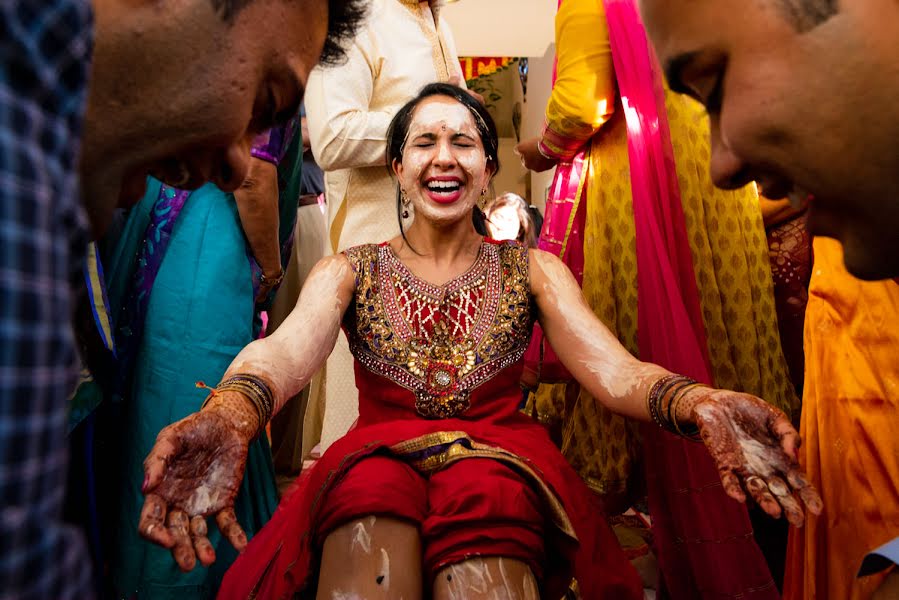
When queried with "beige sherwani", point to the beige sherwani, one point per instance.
{"points": [[403, 47]]}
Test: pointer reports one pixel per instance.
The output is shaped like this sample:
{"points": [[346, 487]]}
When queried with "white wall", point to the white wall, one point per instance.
{"points": [[501, 27]]}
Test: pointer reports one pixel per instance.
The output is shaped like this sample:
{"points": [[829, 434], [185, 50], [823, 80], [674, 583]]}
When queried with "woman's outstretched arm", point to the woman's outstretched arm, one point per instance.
{"points": [[288, 358], [196, 466], [585, 346], [752, 443]]}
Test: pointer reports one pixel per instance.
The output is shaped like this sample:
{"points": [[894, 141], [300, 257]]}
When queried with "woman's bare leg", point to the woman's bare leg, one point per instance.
{"points": [[493, 578], [371, 558]]}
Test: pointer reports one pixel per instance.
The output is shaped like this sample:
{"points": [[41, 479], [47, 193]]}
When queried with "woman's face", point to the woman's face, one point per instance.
{"points": [[444, 167], [504, 223]]}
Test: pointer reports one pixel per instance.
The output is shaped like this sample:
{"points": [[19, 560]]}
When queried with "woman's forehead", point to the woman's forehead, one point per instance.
{"points": [[442, 111]]}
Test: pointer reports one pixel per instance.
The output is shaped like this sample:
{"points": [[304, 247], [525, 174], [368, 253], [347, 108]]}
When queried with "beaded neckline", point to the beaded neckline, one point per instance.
{"points": [[440, 342], [437, 292]]}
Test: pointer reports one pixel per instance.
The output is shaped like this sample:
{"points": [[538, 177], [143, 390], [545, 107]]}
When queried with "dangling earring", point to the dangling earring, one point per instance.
{"points": [[482, 201], [406, 202]]}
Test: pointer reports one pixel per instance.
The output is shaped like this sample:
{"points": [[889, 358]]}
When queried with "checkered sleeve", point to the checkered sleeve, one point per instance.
{"points": [[45, 49]]}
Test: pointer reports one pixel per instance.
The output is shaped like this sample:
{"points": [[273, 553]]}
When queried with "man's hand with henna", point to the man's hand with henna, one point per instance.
{"points": [[193, 471], [755, 449]]}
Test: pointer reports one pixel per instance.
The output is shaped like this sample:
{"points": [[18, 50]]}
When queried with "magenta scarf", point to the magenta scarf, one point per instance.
{"points": [[703, 538]]}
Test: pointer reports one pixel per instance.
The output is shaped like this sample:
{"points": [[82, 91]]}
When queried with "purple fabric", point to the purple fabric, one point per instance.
{"points": [[152, 252], [272, 144]]}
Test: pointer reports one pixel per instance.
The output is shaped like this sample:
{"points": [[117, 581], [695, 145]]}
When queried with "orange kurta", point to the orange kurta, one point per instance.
{"points": [[849, 428]]}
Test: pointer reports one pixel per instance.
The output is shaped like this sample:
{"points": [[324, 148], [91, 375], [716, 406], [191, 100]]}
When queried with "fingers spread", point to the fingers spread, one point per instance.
{"points": [[732, 486], [806, 491], [199, 534], [763, 496], [154, 465], [151, 525], [183, 550], [227, 522], [791, 508]]}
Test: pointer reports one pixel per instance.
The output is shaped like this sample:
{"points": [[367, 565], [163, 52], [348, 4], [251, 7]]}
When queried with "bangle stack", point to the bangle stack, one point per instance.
{"points": [[254, 389], [663, 399]]}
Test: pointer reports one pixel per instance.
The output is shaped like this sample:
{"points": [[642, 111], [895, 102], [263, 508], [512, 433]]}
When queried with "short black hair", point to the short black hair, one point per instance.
{"points": [[805, 15], [344, 19]]}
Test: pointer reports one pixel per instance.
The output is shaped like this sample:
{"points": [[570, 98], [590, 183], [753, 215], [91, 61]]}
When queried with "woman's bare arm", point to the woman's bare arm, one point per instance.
{"points": [[585, 346], [289, 357], [196, 466], [752, 443]]}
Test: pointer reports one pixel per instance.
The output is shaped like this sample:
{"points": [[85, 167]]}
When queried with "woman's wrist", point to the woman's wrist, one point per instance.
{"points": [[270, 278], [237, 409], [670, 403], [685, 414], [244, 399]]}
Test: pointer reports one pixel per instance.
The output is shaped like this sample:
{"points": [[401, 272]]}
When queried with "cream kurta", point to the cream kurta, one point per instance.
{"points": [[403, 47]]}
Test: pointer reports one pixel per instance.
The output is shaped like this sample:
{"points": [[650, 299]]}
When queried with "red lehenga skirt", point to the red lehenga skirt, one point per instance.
{"points": [[282, 559]]}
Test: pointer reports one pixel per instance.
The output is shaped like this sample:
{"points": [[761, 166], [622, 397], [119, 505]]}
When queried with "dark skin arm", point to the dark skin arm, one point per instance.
{"points": [[257, 205], [889, 589], [775, 212], [531, 158]]}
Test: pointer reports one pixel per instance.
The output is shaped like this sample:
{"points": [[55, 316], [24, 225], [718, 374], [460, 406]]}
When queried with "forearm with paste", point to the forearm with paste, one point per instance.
{"points": [[289, 358], [585, 346]]}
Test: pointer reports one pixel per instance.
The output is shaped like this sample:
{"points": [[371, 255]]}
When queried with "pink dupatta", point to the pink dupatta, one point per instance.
{"points": [[703, 538]]}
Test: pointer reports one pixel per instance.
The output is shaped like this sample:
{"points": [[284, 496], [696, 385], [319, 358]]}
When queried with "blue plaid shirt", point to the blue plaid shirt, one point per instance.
{"points": [[45, 48]]}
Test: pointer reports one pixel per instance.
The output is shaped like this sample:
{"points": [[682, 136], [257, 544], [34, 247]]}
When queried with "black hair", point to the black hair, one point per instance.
{"points": [[344, 19], [805, 15], [399, 129]]}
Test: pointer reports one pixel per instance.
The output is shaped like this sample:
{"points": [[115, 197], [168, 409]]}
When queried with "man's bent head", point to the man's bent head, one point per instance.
{"points": [[802, 98], [179, 88]]}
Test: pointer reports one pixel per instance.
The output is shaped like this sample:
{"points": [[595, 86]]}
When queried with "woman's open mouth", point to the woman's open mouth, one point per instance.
{"points": [[444, 190]]}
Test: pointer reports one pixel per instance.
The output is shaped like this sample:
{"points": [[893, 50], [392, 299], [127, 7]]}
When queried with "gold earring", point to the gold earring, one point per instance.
{"points": [[482, 201], [405, 200]]}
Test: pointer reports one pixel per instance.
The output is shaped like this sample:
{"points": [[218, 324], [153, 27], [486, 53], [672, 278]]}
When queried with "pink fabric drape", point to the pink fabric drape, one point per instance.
{"points": [[703, 538], [563, 235], [564, 215]]}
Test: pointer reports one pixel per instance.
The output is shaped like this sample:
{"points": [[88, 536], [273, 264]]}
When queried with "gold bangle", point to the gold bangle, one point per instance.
{"points": [[253, 388], [267, 282], [692, 433]]}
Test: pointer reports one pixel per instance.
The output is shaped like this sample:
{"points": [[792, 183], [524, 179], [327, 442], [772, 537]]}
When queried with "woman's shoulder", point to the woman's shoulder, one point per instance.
{"points": [[363, 256]]}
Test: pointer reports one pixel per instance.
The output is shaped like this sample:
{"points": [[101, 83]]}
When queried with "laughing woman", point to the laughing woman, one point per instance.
{"points": [[443, 488]]}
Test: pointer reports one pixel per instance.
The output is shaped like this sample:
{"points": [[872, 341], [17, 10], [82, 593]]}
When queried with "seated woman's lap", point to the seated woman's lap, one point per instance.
{"points": [[472, 507]]}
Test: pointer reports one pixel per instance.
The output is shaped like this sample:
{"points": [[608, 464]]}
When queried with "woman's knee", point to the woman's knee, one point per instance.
{"points": [[371, 557], [496, 578]]}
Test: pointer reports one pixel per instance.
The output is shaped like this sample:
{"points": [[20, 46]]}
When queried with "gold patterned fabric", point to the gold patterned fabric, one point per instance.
{"points": [[726, 235], [440, 342], [402, 46]]}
